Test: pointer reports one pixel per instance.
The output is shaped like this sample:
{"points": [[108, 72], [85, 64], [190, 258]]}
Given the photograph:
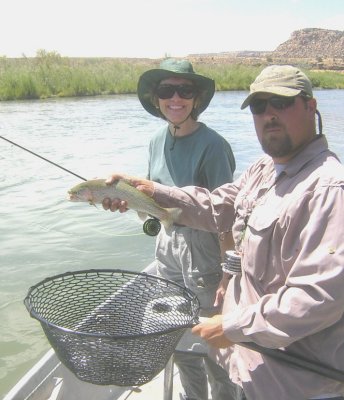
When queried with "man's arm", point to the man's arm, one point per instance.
{"points": [[200, 208]]}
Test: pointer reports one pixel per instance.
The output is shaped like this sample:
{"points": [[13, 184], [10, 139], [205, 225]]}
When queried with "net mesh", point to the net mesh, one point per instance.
{"points": [[112, 327]]}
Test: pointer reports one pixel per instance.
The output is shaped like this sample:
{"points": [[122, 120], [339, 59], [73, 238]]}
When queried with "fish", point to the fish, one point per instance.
{"points": [[94, 191]]}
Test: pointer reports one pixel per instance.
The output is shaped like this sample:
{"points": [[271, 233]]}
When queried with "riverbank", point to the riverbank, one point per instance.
{"points": [[50, 75]]}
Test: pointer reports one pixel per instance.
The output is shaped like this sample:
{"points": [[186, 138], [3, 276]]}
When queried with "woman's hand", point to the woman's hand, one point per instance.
{"points": [[221, 290], [226, 242], [210, 329], [115, 205], [144, 185]]}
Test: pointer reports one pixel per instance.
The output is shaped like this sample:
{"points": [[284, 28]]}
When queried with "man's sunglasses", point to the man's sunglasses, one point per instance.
{"points": [[184, 91], [258, 106]]}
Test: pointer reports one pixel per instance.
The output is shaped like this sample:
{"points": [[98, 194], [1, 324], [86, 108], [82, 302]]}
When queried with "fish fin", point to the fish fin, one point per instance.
{"points": [[143, 216], [172, 216]]}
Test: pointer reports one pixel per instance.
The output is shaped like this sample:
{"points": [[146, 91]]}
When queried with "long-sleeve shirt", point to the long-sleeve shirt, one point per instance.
{"points": [[289, 230]]}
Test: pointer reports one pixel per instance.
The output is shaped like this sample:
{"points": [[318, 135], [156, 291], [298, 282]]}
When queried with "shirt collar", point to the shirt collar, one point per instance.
{"points": [[311, 151]]}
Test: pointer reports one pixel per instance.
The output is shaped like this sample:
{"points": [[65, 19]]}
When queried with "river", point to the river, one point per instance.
{"points": [[42, 234]]}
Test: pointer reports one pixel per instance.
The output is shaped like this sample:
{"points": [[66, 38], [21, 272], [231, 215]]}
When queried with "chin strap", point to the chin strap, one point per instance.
{"points": [[175, 127], [174, 136]]}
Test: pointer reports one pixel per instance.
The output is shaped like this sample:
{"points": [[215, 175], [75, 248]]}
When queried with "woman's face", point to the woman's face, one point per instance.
{"points": [[176, 109]]}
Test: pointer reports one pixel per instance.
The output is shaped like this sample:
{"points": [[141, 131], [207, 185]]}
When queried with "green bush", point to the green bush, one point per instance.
{"points": [[48, 75]]}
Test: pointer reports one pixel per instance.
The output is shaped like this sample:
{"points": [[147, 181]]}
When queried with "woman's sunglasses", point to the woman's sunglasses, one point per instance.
{"points": [[258, 106], [184, 91]]}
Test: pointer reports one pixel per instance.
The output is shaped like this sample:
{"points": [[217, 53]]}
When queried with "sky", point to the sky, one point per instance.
{"points": [[157, 28]]}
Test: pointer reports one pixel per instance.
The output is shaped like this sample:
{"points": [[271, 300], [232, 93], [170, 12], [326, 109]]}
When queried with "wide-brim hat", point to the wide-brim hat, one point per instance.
{"points": [[281, 80], [168, 68]]}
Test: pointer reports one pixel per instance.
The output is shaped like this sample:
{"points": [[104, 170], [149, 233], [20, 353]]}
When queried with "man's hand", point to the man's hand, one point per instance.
{"points": [[210, 329], [144, 185]]}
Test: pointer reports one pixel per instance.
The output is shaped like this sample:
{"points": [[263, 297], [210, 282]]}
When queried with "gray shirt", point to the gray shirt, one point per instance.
{"points": [[203, 158]]}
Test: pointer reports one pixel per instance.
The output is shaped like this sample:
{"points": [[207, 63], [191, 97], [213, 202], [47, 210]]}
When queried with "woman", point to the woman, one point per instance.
{"points": [[187, 152]]}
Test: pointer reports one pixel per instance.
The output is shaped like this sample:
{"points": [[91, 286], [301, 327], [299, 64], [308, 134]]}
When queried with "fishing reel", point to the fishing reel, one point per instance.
{"points": [[151, 226]]}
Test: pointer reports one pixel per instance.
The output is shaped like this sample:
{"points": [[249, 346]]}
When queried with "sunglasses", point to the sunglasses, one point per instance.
{"points": [[184, 91], [258, 106]]}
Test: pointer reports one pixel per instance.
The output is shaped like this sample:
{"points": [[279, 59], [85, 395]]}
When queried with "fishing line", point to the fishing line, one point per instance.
{"points": [[43, 158]]}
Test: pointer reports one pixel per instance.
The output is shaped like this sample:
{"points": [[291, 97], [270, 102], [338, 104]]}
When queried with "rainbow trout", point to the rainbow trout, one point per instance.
{"points": [[94, 191]]}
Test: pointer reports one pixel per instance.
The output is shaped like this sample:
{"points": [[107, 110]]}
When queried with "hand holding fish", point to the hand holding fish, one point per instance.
{"points": [[210, 329], [122, 192], [143, 185]]}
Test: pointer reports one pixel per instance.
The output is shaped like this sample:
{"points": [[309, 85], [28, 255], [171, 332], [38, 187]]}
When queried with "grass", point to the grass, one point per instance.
{"points": [[50, 75]]}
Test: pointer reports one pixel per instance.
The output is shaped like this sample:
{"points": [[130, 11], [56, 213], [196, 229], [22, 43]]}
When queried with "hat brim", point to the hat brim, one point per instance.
{"points": [[279, 91], [150, 79]]}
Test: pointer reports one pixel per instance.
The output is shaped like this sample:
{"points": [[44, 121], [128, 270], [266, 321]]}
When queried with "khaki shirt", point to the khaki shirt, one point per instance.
{"points": [[290, 231]]}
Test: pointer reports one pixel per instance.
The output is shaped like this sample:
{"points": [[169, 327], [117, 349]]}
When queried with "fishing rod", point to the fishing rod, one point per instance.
{"points": [[298, 361], [288, 357], [43, 158], [151, 226]]}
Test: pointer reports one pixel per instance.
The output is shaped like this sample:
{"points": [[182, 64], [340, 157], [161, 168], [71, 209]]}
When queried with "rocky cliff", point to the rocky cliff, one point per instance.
{"points": [[313, 43], [312, 47]]}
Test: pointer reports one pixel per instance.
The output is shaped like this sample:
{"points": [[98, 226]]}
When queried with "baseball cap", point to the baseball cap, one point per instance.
{"points": [[281, 80]]}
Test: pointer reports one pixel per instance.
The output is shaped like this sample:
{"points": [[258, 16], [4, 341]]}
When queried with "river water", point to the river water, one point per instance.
{"points": [[42, 234]]}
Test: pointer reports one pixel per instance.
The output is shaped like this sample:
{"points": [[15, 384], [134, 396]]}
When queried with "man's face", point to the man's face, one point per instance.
{"points": [[284, 129]]}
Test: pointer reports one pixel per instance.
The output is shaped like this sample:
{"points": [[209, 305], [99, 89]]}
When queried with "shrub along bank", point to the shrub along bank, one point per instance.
{"points": [[50, 75]]}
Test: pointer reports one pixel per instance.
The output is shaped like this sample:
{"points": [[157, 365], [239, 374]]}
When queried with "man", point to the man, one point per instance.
{"points": [[286, 215]]}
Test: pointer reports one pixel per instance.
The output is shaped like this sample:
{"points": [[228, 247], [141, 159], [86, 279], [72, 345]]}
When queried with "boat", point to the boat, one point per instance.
{"points": [[49, 379]]}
